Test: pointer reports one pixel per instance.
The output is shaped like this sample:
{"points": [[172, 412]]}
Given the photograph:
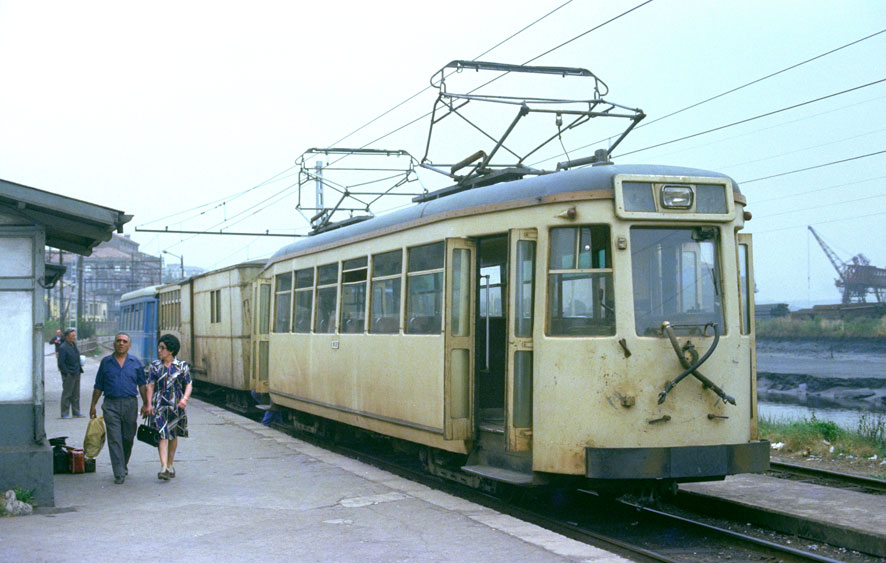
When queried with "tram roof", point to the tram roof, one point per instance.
{"points": [[141, 293], [567, 181]]}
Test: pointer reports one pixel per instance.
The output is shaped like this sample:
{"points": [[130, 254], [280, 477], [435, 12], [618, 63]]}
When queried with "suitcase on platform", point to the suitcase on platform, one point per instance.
{"points": [[78, 460]]}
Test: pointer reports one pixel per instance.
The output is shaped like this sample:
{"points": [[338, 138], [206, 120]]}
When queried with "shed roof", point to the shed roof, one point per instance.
{"points": [[71, 224]]}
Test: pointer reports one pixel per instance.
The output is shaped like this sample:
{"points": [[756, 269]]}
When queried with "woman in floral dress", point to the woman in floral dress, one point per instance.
{"points": [[169, 388]]}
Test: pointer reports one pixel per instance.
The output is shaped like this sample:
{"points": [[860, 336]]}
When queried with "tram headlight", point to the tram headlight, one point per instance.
{"points": [[676, 197]]}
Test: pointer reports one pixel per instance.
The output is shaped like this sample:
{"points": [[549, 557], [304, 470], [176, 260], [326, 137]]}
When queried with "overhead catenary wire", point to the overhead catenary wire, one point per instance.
{"points": [[802, 149], [812, 167], [426, 88], [749, 119], [730, 91], [218, 202], [533, 59], [818, 207], [231, 198], [816, 190], [804, 225], [586, 32]]}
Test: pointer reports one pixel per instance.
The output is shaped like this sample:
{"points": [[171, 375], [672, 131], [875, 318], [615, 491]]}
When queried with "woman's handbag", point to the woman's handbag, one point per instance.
{"points": [[148, 434]]}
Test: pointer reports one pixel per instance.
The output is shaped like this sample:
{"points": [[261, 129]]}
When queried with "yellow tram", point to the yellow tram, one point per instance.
{"points": [[595, 322], [592, 323]]}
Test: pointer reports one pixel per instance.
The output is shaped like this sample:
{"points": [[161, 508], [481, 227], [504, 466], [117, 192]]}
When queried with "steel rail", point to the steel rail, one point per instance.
{"points": [[878, 486], [780, 548]]}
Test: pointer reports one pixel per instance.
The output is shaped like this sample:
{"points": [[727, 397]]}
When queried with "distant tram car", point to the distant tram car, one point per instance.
{"points": [[594, 323], [211, 315], [138, 318]]}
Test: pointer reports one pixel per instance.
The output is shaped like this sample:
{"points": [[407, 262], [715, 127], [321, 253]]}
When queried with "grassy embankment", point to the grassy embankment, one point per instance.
{"points": [[786, 327], [864, 447]]}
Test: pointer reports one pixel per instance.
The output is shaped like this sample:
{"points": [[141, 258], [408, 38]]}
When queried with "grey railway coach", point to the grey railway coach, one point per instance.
{"points": [[211, 314]]}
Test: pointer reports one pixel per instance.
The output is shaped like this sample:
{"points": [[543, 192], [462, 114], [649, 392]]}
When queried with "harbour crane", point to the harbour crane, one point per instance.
{"points": [[857, 277]]}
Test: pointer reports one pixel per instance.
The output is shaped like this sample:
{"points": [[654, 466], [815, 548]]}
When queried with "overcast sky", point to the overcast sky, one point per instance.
{"points": [[162, 107]]}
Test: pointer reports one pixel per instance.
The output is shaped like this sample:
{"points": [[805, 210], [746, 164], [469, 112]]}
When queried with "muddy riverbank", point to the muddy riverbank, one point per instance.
{"points": [[848, 373]]}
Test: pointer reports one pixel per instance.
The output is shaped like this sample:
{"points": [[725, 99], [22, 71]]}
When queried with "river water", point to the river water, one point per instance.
{"points": [[845, 418]]}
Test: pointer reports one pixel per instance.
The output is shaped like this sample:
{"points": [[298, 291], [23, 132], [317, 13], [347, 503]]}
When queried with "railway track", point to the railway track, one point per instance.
{"points": [[828, 478], [630, 529], [627, 528]]}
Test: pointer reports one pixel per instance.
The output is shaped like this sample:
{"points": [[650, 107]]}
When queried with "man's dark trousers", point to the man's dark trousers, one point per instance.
{"points": [[70, 394], [121, 421]]}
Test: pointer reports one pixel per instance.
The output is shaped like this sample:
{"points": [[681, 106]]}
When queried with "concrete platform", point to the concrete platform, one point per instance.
{"points": [[244, 492], [856, 520]]}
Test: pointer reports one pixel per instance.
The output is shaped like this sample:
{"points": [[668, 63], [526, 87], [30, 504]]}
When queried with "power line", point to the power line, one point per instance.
{"points": [[761, 79], [831, 187], [549, 51], [426, 88], [626, 12], [733, 90], [812, 167], [818, 207], [762, 115], [222, 201], [803, 226], [818, 146]]}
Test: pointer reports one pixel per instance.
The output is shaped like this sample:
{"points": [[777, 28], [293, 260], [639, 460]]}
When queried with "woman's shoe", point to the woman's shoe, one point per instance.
{"points": [[171, 472], [164, 475]]}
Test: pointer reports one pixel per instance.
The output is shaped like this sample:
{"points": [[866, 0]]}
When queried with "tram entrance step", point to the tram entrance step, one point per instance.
{"points": [[500, 474]]}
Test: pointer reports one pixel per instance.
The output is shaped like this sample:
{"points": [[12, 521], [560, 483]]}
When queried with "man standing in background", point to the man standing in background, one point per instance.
{"points": [[70, 368], [57, 341]]}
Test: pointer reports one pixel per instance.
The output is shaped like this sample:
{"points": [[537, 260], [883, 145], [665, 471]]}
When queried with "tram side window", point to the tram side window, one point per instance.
{"points": [[304, 299], [327, 292], [387, 269], [282, 301], [580, 291], [353, 295], [424, 289]]}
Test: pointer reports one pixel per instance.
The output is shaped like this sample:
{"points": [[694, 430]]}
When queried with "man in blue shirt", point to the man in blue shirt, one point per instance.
{"points": [[121, 378]]}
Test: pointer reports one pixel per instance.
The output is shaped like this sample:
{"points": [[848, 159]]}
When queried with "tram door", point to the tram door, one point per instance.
{"points": [[261, 341], [491, 341], [459, 338], [504, 319], [518, 379], [746, 292]]}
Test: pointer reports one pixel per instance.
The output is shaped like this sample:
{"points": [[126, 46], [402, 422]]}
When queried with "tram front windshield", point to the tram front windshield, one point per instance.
{"points": [[676, 278]]}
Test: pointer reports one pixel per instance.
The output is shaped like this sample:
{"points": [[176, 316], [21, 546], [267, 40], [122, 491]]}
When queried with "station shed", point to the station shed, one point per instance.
{"points": [[30, 220]]}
